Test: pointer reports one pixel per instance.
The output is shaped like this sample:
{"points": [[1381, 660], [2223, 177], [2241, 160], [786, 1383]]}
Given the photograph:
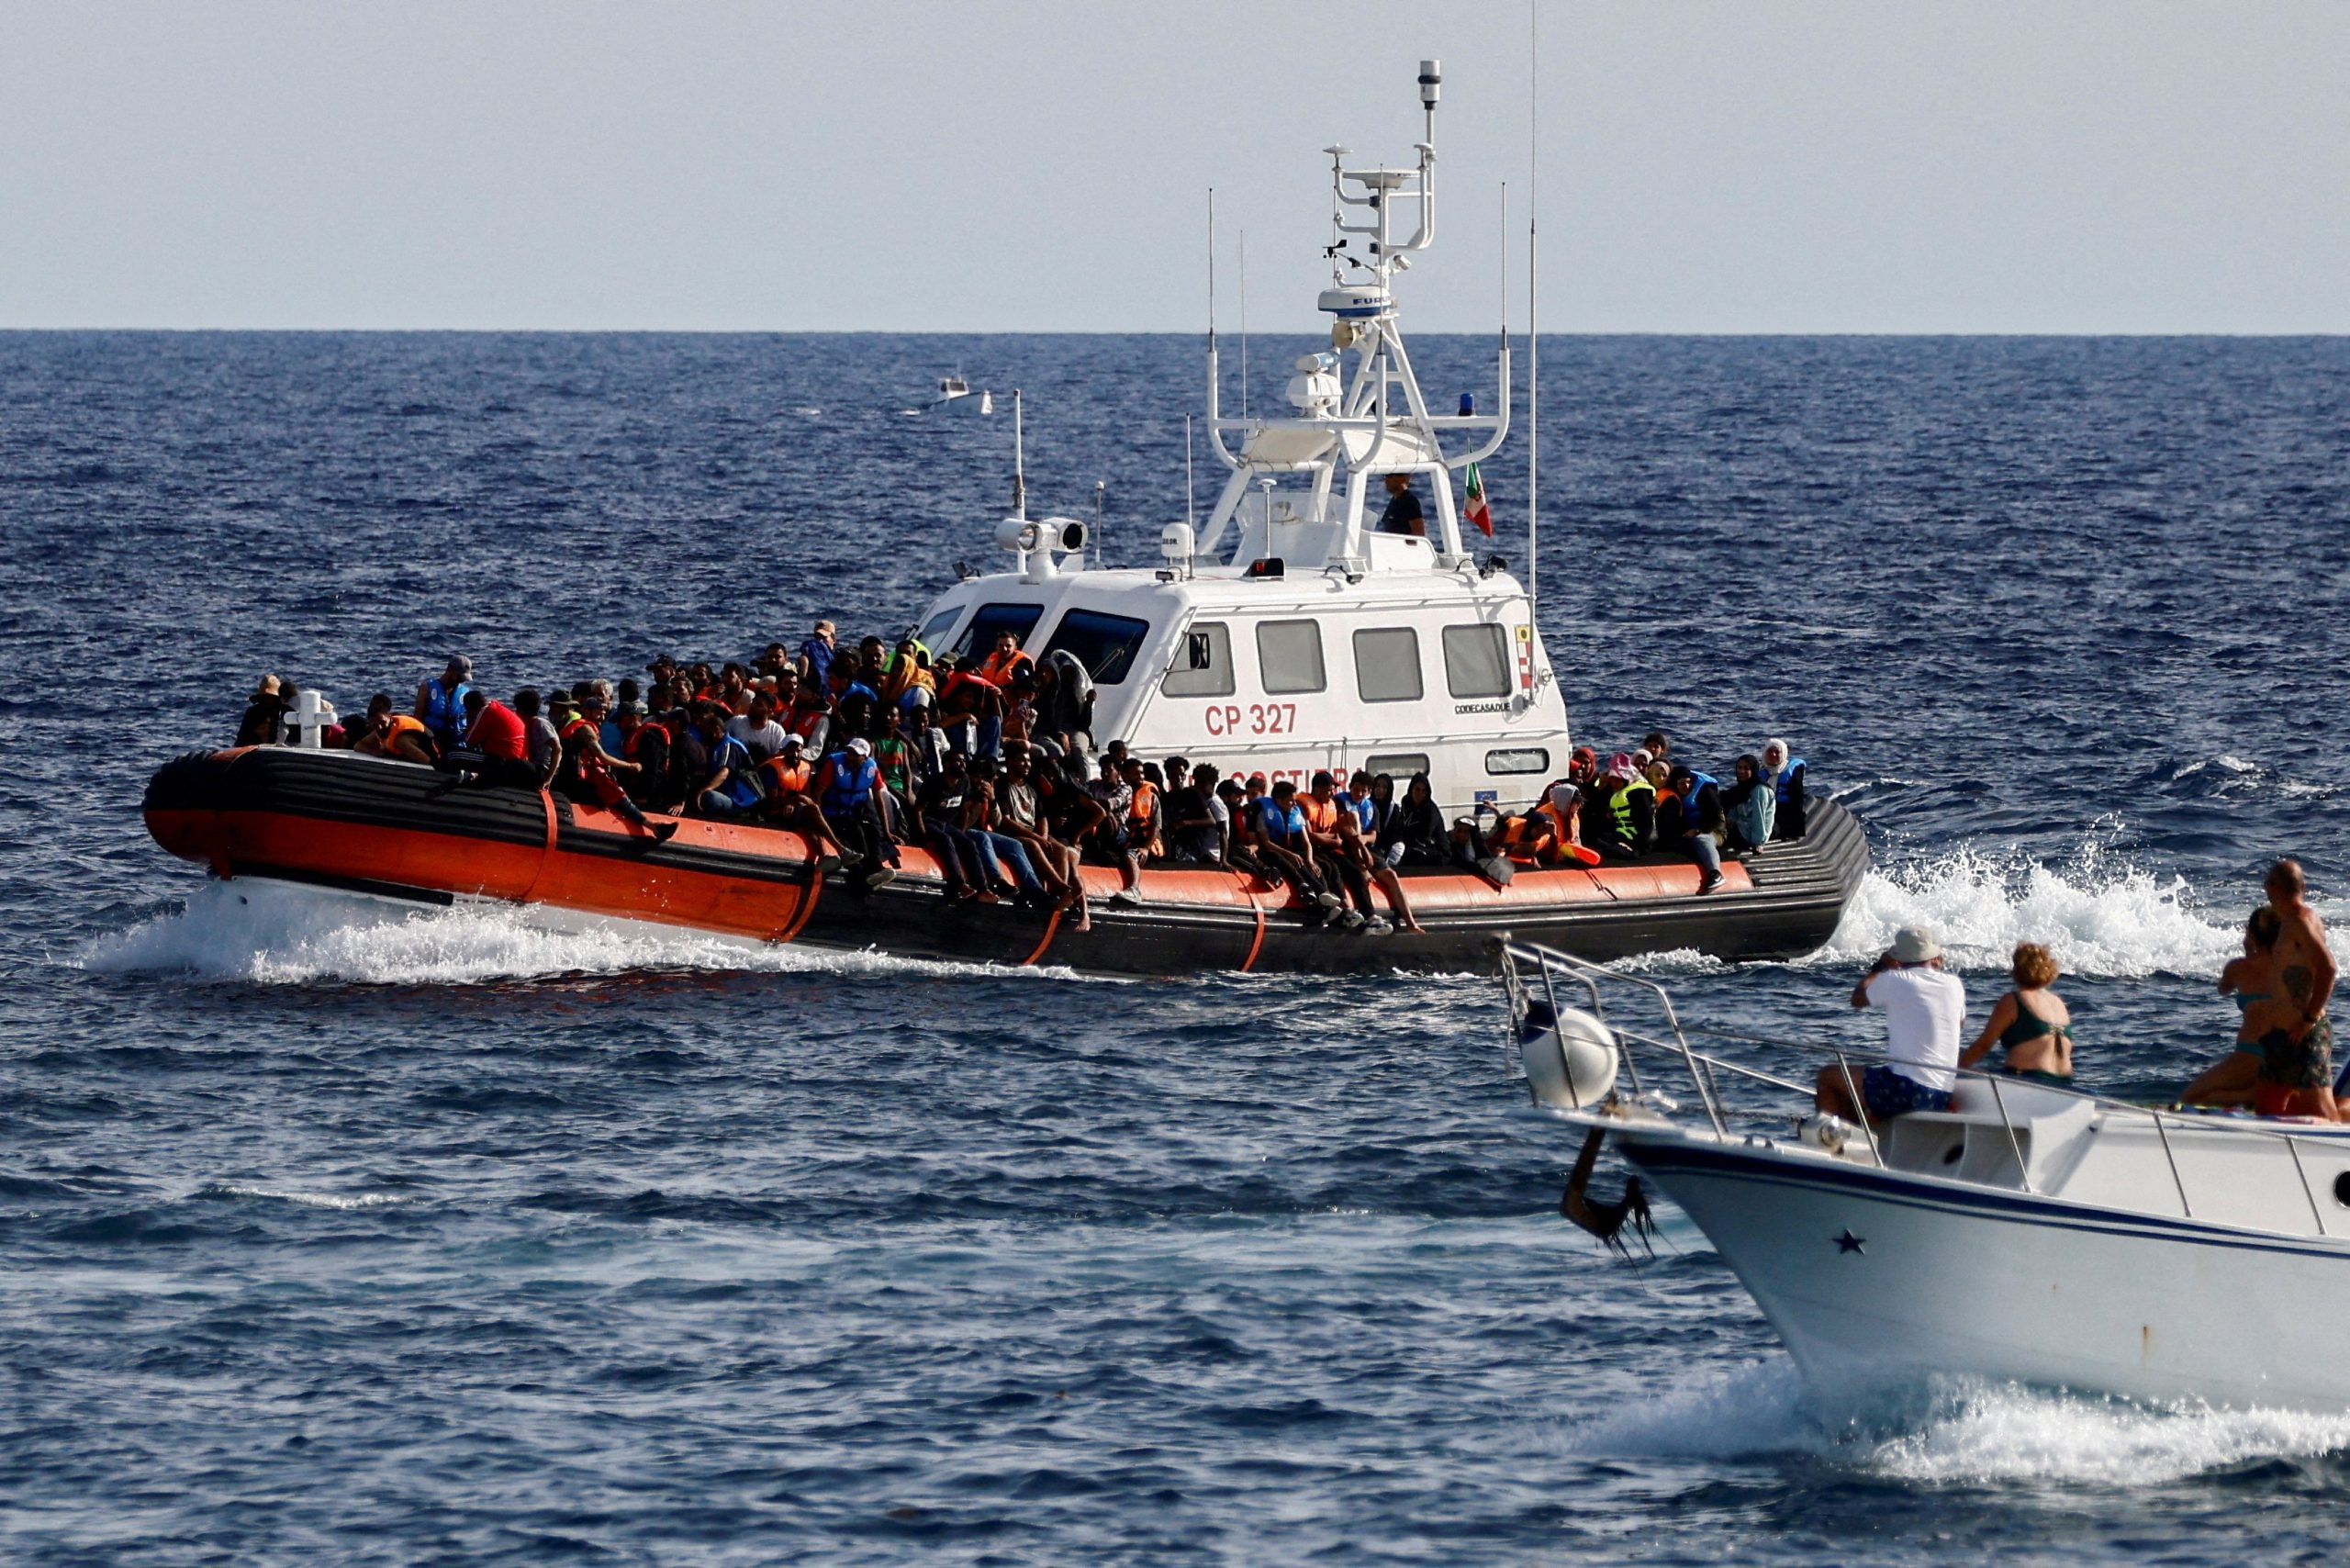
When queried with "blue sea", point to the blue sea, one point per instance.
{"points": [[329, 1235]]}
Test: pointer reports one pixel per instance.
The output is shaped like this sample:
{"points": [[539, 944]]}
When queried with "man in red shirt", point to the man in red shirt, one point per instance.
{"points": [[971, 708], [498, 733]]}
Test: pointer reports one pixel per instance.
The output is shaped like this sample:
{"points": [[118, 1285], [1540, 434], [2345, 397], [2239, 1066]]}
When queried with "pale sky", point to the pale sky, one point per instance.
{"points": [[1758, 166]]}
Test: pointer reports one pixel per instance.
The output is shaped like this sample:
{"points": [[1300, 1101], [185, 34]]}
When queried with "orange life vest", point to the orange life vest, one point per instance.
{"points": [[997, 669]]}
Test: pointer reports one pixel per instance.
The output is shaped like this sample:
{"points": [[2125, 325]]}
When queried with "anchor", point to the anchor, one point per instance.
{"points": [[1604, 1219]]}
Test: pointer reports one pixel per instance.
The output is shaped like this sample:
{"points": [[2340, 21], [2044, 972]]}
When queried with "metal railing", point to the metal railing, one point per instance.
{"points": [[1531, 969]]}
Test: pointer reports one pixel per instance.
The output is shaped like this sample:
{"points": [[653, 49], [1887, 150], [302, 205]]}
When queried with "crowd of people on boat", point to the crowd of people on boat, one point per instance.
{"points": [[2282, 1065], [988, 761]]}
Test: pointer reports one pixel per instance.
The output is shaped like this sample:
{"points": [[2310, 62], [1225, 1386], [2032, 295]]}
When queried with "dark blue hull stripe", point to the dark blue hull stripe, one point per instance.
{"points": [[1978, 1202]]}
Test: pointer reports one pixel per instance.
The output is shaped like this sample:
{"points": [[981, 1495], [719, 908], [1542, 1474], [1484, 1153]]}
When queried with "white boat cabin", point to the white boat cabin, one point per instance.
{"points": [[1290, 633]]}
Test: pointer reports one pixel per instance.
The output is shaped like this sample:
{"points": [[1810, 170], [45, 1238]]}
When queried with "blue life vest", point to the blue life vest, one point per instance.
{"points": [[444, 712], [1284, 828], [1779, 780], [1697, 785], [736, 758], [853, 782]]}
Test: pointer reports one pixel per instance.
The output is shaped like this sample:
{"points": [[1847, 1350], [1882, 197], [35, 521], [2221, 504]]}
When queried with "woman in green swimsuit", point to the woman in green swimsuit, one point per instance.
{"points": [[2251, 980], [2031, 1022]]}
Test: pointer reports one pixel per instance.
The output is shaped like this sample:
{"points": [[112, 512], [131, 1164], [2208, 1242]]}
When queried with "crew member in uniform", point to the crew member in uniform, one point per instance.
{"points": [[1403, 514]]}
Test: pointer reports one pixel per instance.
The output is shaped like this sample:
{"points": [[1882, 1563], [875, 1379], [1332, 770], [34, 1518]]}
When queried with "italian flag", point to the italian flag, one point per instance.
{"points": [[1477, 512]]}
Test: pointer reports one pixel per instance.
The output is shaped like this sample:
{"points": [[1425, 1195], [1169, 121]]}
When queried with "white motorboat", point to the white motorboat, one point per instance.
{"points": [[2029, 1234], [956, 395]]}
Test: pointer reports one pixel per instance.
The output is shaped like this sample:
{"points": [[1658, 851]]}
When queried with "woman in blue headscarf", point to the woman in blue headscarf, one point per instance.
{"points": [[1782, 770]]}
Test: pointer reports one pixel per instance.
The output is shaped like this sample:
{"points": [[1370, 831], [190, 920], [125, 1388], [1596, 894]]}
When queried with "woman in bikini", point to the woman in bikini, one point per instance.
{"points": [[2251, 980], [2032, 1023]]}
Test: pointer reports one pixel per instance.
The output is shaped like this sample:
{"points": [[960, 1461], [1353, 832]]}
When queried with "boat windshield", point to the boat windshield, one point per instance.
{"points": [[1104, 645], [993, 619], [938, 625]]}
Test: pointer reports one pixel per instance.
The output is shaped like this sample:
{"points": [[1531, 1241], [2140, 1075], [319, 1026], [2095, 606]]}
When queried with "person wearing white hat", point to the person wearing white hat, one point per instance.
{"points": [[1925, 1013], [845, 793]]}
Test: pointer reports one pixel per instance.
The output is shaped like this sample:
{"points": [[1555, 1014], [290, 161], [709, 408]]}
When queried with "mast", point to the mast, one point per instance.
{"points": [[1019, 462], [1533, 318]]}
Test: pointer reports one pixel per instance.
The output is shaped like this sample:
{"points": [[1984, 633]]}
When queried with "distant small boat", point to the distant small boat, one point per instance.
{"points": [[955, 392]]}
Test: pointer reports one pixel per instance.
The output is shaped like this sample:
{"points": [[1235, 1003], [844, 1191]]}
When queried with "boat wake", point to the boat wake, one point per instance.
{"points": [[276, 934], [1956, 1434], [2100, 914]]}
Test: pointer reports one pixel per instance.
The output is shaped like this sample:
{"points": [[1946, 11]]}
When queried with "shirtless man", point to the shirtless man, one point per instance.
{"points": [[2296, 1066]]}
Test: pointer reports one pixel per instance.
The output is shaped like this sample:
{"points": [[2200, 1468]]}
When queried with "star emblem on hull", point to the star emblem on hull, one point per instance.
{"points": [[1848, 1242]]}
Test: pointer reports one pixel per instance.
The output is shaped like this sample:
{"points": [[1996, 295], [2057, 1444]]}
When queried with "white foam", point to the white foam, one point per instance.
{"points": [[217, 1190], [1963, 1435], [1712, 1413], [2015, 1435], [2100, 914], [1673, 962], [277, 933]]}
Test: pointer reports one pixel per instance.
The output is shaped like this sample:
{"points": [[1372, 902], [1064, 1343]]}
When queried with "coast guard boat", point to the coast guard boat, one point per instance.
{"points": [[2029, 1234], [1285, 634]]}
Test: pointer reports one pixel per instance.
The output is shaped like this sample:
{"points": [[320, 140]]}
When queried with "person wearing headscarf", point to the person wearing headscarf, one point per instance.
{"points": [[1064, 706], [1750, 806], [1784, 770]]}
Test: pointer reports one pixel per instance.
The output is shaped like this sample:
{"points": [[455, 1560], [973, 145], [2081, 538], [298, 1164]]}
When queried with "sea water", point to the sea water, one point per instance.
{"points": [[331, 1231]]}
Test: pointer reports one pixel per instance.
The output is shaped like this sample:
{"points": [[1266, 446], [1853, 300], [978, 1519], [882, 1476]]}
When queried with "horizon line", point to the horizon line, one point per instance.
{"points": [[7, 331]]}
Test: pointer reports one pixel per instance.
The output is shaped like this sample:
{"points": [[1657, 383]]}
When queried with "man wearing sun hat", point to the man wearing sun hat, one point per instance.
{"points": [[1925, 1013]]}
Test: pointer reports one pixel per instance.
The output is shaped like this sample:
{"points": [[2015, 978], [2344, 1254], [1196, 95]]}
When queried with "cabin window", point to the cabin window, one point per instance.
{"points": [[1288, 655], [993, 620], [1397, 765], [938, 625], [1476, 661], [1387, 665], [1104, 645], [1202, 666], [1521, 759]]}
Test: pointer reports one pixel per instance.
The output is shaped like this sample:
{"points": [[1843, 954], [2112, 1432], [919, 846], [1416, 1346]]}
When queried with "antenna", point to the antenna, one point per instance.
{"points": [[1503, 269], [1244, 323], [1191, 495], [1211, 269], [1019, 462], [1533, 314]]}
